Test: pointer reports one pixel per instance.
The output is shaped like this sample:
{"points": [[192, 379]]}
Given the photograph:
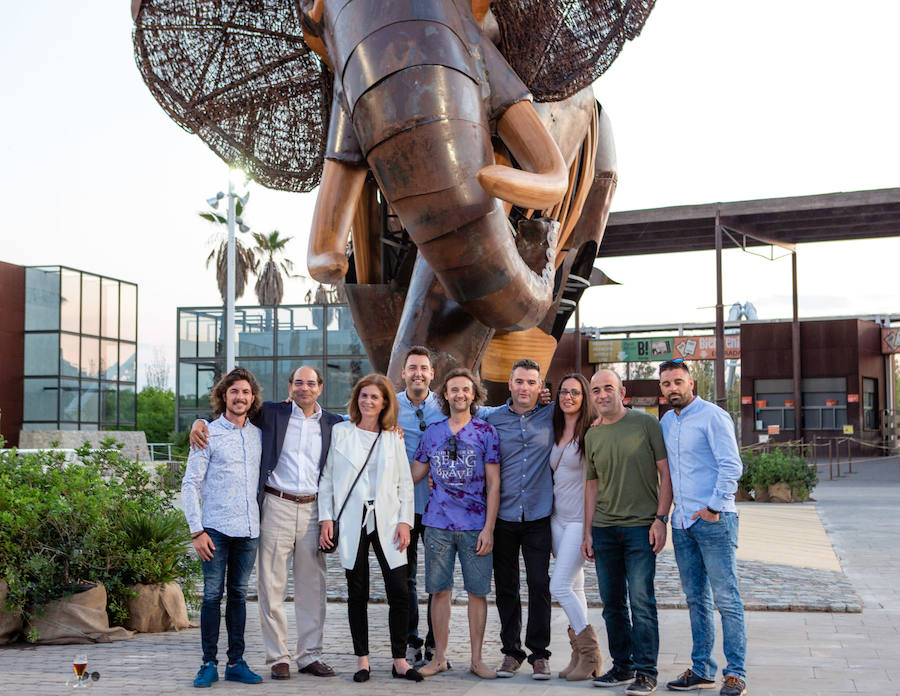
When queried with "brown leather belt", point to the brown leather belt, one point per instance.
{"points": [[290, 496]]}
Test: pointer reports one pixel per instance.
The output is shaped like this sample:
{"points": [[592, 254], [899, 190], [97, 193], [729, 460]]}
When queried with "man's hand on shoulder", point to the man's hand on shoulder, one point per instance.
{"points": [[544, 397], [199, 435]]}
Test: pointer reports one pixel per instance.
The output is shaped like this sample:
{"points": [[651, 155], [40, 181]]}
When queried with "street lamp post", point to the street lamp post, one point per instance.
{"points": [[229, 294]]}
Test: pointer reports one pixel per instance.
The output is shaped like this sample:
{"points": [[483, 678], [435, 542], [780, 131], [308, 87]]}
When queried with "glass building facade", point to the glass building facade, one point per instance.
{"points": [[270, 342], [80, 350]]}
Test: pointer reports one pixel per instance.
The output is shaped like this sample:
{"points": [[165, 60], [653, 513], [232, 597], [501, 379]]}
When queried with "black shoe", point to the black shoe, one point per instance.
{"points": [[688, 681], [361, 675], [733, 686], [641, 686], [613, 677], [412, 674]]}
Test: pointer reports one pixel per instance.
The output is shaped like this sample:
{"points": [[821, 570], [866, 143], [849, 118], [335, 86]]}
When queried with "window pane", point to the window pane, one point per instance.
{"points": [[286, 369], [109, 360], [127, 361], [263, 370], [187, 334], [90, 358], [68, 349], [70, 302], [254, 331], [342, 338], [300, 331], [68, 400], [41, 299], [41, 354], [90, 402], [128, 312], [210, 326], [109, 403], [109, 308], [195, 381], [90, 304], [40, 399], [339, 380], [127, 406]]}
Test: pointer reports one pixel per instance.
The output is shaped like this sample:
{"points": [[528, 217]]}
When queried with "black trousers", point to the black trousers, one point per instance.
{"points": [[358, 597], [535, 541], [412, 553]]}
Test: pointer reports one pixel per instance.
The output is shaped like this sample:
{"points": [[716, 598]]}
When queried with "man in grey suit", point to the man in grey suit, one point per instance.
{"points": [[295, 440]]}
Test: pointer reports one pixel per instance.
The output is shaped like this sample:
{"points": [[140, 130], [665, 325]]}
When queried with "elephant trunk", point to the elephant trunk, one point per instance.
{"points": [[425, 148]]}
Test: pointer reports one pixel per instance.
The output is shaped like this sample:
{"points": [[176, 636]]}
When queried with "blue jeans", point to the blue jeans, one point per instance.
{"points": [[233, 558], [626, 567], [705, 556], [442, 546]]}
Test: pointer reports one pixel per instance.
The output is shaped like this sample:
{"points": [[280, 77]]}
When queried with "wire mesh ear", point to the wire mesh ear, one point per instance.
{"points": [[559, 47], [238, 74]]}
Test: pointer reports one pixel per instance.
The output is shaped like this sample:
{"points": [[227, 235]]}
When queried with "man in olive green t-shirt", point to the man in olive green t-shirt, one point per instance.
{"points": [[627, 498]]}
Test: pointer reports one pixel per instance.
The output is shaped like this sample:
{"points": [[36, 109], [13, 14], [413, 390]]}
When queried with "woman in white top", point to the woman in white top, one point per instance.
{"points": [[379, 513], [572, 417]]}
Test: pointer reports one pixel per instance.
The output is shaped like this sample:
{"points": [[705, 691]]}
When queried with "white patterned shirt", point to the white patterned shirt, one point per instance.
{"points": [[218, 490]]}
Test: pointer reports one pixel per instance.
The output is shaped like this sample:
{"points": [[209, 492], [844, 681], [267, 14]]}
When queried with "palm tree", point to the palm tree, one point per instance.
{"points": [[244, 261], [269, 283]]}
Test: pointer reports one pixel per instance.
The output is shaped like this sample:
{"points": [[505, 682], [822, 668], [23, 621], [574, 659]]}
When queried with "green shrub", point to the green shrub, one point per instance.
{"points": [[98, 519], [763, 469]]}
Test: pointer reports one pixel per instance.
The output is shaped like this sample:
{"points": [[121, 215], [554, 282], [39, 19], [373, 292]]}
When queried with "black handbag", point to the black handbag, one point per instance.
{"points": [[336, 528]]}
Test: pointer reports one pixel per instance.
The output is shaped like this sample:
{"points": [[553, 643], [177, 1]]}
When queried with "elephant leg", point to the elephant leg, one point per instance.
{"points": [[431, 319]]}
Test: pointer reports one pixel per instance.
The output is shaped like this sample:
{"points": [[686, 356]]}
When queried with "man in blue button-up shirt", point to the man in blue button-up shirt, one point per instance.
{"points": [[705, 465], [523, 521], [418, 407], [219, 497]]}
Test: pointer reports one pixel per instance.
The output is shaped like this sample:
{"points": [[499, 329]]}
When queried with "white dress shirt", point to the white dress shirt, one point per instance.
{"points": [[297, 470]]}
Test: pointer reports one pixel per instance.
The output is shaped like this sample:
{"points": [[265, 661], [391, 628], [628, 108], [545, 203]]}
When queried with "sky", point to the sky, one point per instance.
{"points": [[716, 100]]}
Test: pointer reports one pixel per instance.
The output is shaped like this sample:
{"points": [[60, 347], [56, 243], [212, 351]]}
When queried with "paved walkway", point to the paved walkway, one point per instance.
{"points": [[788, 652]]}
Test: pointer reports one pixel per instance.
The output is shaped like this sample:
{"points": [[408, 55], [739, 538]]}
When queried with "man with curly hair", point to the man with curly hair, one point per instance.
{"points": [[225, 525]]}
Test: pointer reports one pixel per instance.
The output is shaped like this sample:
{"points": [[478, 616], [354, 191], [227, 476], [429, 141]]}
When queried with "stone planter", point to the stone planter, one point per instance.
{"points": [[742, 495]]}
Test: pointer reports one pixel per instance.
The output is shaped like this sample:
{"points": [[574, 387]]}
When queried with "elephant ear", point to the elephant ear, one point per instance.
{"points": [[238, 74], [559, 47]]}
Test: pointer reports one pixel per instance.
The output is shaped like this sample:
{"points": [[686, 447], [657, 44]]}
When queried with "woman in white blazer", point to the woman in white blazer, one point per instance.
{"points": [[379, 513]]}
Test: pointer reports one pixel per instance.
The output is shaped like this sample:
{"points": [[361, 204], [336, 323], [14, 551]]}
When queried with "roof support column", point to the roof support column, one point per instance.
{"points": [[795, 351], [721, 399]]}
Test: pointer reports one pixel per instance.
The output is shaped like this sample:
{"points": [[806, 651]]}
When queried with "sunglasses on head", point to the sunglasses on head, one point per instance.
{"points": [[451, 447], [670, 364], [421, 416]]}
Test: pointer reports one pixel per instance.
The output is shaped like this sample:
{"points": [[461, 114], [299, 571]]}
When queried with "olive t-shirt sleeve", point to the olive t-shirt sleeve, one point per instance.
{"points": [[657, 441]]}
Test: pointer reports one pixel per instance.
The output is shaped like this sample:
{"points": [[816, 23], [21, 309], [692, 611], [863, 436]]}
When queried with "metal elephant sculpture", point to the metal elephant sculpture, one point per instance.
{"points": [[475, 214]]}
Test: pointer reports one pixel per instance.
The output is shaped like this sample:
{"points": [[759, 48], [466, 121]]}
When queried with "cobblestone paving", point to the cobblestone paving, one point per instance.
{"points": [[764, 586]]}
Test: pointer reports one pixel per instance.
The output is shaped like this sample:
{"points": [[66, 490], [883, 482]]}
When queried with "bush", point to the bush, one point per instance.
{"points": [[763, 469], [98, 519]]}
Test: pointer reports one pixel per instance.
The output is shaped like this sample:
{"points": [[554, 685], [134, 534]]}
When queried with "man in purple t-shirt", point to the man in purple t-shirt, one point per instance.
{"points": [[462, 453]]}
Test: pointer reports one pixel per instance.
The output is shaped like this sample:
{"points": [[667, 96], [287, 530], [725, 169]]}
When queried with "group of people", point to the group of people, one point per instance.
{"points": [[580, 478]]}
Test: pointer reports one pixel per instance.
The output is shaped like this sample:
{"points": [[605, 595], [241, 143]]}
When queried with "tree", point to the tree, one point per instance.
{"points": [[156, 413], [244, 261], [269, 283], [158, 370]]}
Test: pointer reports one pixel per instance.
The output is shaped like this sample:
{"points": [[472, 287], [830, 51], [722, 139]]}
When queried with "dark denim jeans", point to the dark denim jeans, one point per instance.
{"points": [[626, 566], [229, 570], [705, 554], [535, 541], [415, 534]]}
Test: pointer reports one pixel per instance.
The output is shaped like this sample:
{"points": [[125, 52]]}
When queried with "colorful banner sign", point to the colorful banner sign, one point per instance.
{"points": [[661, 348]]}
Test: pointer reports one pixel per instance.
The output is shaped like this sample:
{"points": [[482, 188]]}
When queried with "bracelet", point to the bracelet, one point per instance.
{"points": [[715, 512], [194, 536]]}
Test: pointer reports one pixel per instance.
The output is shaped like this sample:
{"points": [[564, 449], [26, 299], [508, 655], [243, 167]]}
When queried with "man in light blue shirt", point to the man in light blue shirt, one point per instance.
{"points": [[419, 407], [218, 493], [705, 465]]}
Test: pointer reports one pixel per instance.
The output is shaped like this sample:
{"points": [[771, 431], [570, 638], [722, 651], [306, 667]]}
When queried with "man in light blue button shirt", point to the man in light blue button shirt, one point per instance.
{"points": [[218, 493], [418, 407], [705, 465]]}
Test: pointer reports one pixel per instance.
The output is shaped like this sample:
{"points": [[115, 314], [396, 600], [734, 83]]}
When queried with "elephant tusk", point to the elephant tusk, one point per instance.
{"points": [[543, 179], [339, 192]]}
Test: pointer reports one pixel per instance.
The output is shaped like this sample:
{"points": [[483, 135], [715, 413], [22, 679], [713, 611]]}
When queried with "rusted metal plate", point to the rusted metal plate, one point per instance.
{"points": [[431, 216], [431, 157], [342, 142], [399, 46], [376, 311], [413, 96]]}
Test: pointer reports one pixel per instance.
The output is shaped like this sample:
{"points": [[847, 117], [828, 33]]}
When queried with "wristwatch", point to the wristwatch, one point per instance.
{"points": [[715, 512], [663, 518]]}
